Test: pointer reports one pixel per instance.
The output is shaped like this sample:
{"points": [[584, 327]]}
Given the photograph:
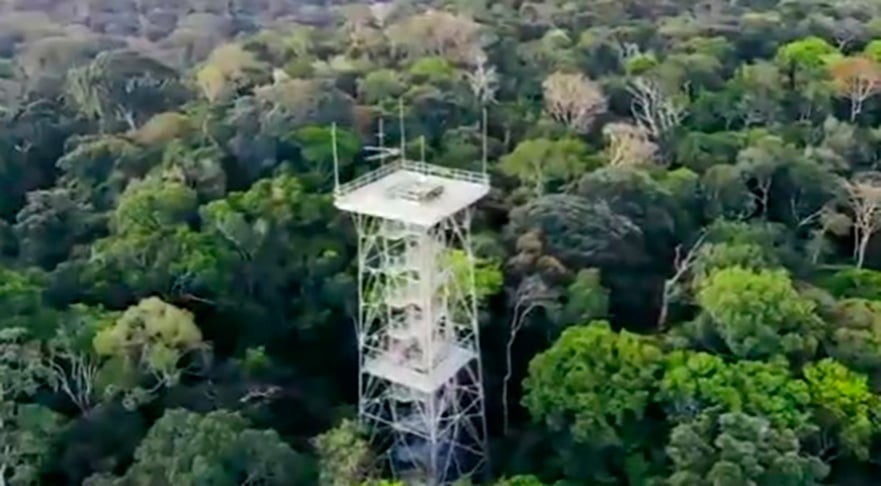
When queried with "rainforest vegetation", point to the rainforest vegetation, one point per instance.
{"points": [[679, 267]]}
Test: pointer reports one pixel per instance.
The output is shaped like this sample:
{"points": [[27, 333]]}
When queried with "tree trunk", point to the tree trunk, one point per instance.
{"points": [[861, 249], [665, 306], [538, 185], [130, 120], [516, 324], [506, 414], [855, 108], [816, 244], [483, 141], [508, 365]]}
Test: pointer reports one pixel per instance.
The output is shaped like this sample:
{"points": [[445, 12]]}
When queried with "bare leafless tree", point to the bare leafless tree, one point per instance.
{"points": [[381, 12], [573, 100], [682, 263], [435, 33], [70, 369], [846, 31], [825, 220], [260, 393], [857, 79], [532, 293], [629, 145], [864, 196], [654, 109], [483, 81], [628, 51], [74, 374]]}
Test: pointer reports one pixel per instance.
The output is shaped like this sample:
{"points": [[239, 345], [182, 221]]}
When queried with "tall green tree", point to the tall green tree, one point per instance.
{"points": [[594, 388], [736, 448], [759, 314], [186, 448]]}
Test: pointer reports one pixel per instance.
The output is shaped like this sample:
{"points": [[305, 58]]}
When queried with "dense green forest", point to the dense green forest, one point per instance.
{"points": [[679, 273]]}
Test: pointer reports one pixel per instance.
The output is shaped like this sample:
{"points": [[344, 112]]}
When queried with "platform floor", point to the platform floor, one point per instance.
{"points": [[374, 197], [385, 367]]}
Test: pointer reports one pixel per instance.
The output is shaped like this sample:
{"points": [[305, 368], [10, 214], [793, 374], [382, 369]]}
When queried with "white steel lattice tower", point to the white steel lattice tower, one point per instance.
{"points": [[420, 378]]}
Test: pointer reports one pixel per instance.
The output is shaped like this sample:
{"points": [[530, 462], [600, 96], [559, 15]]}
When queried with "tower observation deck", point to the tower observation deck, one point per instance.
{"points": [[420, 378]]}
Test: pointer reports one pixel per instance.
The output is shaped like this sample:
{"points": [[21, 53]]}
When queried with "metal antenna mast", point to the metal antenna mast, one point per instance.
{"points": [[420, 379], [336, 160], [381, 152], [402, 129]]}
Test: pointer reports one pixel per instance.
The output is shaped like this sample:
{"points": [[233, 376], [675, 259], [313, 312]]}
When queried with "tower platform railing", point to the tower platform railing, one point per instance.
{"points": [[423, 168]]}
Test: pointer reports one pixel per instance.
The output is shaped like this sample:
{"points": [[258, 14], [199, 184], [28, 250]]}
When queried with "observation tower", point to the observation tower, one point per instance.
{"points": [[420, 378]]}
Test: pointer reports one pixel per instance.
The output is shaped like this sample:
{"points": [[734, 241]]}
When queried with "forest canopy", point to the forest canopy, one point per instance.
{"points": [[678, 266]]}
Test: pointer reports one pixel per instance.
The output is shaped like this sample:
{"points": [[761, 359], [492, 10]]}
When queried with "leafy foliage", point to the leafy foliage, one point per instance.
{"points": [[218, 448], [759, 314], [737, 448]]}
